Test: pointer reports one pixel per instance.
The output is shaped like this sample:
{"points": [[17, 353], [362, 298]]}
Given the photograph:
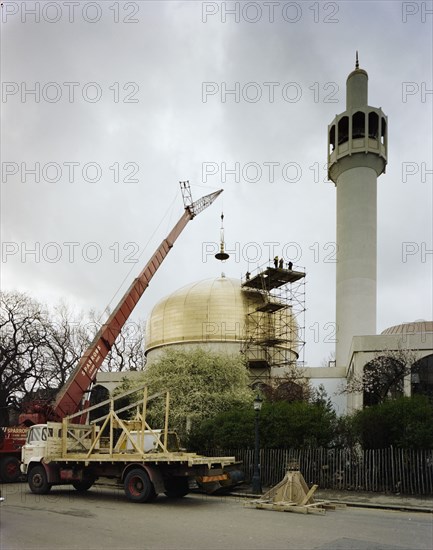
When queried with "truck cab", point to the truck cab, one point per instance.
{"points": [[35, 447]]}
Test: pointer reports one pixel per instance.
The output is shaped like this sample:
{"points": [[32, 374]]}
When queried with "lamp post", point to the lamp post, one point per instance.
{"points": [[256, 482]]}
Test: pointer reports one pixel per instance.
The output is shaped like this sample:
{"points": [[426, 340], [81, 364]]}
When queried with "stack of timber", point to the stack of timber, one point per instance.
{"points": [[293, 495]]}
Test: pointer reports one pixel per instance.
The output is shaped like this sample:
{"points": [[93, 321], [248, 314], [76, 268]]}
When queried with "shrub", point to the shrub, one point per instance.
{"points": [[282, 424], [406, 422]]}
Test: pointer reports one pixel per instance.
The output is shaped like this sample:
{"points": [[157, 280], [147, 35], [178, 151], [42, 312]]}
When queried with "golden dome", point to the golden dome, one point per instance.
{"points": [[210, 311]]}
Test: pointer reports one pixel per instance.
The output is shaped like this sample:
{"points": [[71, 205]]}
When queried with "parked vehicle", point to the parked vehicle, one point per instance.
{"points": [[143, 460]]}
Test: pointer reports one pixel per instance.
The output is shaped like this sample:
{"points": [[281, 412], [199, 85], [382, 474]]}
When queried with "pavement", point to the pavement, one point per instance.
{"points": [[361, 499]]}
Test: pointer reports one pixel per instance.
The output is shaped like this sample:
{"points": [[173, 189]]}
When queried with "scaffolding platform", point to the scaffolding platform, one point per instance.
{"points": [[275, 320], [272, 277]]}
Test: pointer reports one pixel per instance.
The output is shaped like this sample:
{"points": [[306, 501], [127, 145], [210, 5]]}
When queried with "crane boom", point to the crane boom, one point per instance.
{"points": [[69, 398]]}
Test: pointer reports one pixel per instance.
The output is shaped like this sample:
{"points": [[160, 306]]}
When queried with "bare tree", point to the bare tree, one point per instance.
{"points": [[290, 386], [127, 353], [39, 350], [67, 339], [383, 377], [23, 338]]}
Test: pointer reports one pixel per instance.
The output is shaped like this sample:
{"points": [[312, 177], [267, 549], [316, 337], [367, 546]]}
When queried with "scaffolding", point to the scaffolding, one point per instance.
{"points": [[275, 326]]}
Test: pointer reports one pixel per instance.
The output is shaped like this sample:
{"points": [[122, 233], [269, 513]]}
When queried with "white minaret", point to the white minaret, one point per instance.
{"points": [[357, 155]]}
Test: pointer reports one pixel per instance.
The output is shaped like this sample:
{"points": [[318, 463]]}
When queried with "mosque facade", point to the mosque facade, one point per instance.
{"points": [[258, 316]]}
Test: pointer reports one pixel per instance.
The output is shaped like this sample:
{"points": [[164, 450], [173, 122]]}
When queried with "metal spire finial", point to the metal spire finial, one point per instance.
{"points": [[222, 255], [357, 62]]}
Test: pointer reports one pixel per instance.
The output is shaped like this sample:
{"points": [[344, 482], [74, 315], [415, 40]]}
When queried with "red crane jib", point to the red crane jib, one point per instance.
{"points": [[69, 398]]}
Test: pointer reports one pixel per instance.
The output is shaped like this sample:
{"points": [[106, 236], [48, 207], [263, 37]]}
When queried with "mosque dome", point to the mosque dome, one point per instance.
{"points": [[410, 328], [215, 313], [208, 310]]}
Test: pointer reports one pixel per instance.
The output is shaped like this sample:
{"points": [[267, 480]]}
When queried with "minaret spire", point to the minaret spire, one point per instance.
{"points": [[222, 254], [357, 61]]}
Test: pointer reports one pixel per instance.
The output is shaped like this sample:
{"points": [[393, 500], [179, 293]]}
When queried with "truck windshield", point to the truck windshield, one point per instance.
{"points": [[37, 434]]}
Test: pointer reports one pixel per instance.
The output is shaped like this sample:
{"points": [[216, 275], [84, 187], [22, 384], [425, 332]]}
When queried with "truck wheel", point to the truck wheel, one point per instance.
{"points": [[176, 487], [38, 481], [10, 469], [83, 486], [138, 486]]}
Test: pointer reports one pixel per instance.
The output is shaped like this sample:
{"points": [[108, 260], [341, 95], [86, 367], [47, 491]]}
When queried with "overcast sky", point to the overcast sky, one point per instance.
{"points": [[131, 97]]}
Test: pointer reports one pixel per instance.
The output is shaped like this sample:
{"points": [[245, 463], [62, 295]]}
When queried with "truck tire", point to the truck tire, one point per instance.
{"points": [[83, 486], [38, 481], [176, 487], [9, 469], [138, 486]]}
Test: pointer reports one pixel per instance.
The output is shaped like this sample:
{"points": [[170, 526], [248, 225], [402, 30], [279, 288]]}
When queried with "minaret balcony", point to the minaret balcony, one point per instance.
{"points": [[361, 130]]}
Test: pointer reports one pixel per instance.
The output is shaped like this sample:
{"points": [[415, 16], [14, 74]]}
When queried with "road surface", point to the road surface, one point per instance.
{"points": [[104, 519]]}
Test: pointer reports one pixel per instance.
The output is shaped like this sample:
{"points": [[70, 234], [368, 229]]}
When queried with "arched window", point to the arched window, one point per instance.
{"points": [[260, 386], [373, 125], [383, 378], [332, 139], [358, 125], [422, 377], [383, 131], [343, 130]]}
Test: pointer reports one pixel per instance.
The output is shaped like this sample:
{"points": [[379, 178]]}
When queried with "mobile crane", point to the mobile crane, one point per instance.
{"points": [[69, 399]]}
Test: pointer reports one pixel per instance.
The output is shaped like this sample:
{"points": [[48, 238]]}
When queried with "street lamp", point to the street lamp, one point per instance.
{"points": [[256, 483]]}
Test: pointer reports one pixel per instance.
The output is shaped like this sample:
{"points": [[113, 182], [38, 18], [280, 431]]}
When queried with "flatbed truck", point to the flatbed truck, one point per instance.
{"points": [[144, 461]]}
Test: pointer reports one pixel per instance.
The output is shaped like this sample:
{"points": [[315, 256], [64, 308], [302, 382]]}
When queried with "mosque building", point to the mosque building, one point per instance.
{"points": [[262, 315]]}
